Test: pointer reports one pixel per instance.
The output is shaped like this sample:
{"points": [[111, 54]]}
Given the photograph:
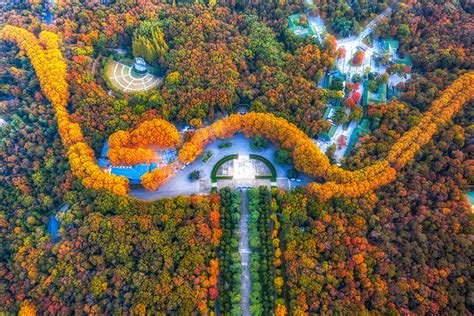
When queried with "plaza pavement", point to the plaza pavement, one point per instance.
{"points": [[179, 184]]}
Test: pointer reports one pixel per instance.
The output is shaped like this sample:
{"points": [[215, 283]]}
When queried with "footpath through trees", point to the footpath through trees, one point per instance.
{"points": [[51, 70], [244, 251]]}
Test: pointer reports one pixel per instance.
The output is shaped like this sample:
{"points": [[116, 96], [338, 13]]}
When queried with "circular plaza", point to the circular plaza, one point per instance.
{"points": [[125, 79]]}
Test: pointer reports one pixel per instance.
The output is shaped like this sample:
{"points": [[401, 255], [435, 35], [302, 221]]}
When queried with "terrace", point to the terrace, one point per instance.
{"points": [[180, 184]]}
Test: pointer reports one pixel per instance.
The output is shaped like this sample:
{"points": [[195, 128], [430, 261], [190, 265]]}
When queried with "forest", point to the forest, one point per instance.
{"points": [[118, 255], [347, 244]]}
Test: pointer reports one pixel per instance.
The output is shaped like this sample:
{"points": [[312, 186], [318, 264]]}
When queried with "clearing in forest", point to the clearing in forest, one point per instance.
{"points": [[122, 78]]}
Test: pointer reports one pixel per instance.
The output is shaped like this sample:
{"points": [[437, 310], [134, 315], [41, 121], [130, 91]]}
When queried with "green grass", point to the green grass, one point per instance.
{"points": [[265, 177], [108, 72], [215, 177], [270, 166], [216, 167], [224, 177], [126, 61]]}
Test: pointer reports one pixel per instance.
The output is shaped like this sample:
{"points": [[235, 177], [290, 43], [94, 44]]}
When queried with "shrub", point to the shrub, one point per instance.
{"points": [[195, 175], [292, 174], [282, 157], [225, 145], [259, 143], [207, 156]]}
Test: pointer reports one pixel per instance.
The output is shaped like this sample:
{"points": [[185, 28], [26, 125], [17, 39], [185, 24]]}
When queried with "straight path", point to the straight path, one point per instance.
{"points": [[244, 251]]}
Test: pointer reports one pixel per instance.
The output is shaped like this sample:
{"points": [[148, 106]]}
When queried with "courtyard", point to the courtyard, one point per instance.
{"points": [[179, 184], [123, 79]]}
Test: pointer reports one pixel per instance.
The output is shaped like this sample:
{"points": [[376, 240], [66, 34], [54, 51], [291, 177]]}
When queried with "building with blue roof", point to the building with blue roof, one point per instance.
{"points": [[361, 129], [133, 173], [105, 149], [391, 46], [369, 97]]}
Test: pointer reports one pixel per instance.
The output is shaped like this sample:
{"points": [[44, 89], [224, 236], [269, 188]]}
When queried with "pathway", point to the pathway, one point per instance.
{"points": [[179, 183], [122, 78], [244, 251], [95, 64], [368, 29], [354, 43]]}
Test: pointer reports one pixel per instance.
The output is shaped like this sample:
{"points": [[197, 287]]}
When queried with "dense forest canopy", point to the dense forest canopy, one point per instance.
{"points": [[405, 248]]}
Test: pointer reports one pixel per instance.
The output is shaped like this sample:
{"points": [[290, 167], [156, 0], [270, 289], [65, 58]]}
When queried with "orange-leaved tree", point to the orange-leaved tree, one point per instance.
{"points": [[51, 70], [129, 148]]}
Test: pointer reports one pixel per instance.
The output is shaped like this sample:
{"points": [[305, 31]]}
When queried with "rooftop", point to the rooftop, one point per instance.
{"points": [[133, 173], [392, 45], [360, 130], [330, 133], [295, 25], [370, 97]]}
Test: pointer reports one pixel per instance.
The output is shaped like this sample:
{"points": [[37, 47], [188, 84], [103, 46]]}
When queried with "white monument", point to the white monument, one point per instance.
{"points": [[139, 65]]}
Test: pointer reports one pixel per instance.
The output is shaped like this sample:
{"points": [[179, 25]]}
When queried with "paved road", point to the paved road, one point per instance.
{"points": [[368, 29], [179, 184], [244, 251]]}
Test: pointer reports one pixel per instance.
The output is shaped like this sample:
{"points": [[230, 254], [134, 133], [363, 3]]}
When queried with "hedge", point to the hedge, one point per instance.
{"points": [[217, 166], [269, 165]]}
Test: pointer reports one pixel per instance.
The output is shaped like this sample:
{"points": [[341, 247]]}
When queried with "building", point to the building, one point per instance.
{"points": [[329, 112], [135, 172], [361, 129], [297, 27], [369, 97], [139, 66], [132, 173], [329, 134], [335, 75], [391, 46]]}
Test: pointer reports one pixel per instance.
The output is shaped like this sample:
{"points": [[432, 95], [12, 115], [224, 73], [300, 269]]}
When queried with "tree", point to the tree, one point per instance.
{"points": [[356, 113], [342, 141], [282, 157], [337, 85], [195, 175], [358, 58], [330, 151], [129, 148], [148, 41], [349, 103], [259, 143], [51, 68], [339, 116], [27, 309], [341, 53], [357, 78], [292, 173], [356, 96], [404, 30]]}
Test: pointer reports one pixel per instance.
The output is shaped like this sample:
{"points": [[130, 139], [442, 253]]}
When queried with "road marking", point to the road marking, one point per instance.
{"points": [[124, 79]]}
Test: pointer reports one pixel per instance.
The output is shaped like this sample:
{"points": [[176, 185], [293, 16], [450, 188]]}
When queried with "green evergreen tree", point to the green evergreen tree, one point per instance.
{"points": [[149, 41]]}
